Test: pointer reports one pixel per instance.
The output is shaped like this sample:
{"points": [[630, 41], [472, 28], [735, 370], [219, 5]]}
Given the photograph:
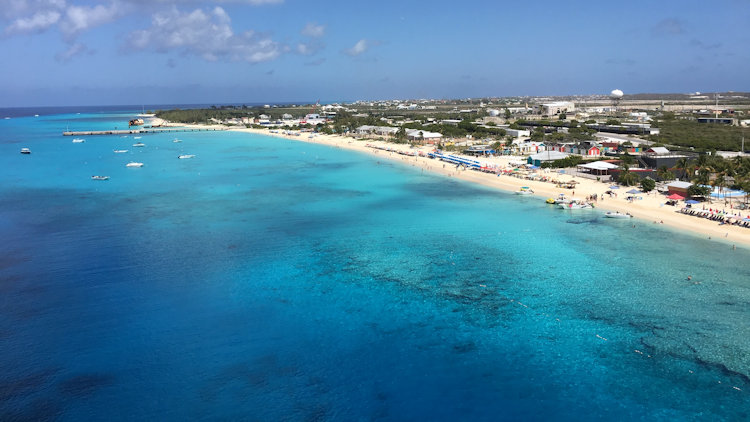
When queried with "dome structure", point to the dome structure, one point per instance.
{"points": [[616, 94]]}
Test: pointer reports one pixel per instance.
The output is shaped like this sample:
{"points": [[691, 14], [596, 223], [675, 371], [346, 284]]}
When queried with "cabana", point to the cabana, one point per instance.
{"points": [[598, 168]]}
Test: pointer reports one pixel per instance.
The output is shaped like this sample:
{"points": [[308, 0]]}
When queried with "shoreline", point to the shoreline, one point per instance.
{"points": [[648, 210]]}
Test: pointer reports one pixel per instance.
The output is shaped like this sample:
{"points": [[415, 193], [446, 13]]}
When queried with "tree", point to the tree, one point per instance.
{"points": [[562, 116], [401, 135], [697, 190], [507, 113], [648, 184], [663, 173]]}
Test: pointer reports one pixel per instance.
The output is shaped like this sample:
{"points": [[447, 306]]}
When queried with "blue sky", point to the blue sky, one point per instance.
{"points": [[79, 52]]}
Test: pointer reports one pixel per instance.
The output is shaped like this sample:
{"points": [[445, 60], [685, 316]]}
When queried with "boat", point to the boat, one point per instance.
{"points": [[617, 214], [176, 141], [78, 140], [137, 137], [99, 177], [183, 156], [575, 204], [120, 151], [134, 164], [139, 144], [551, 201], [525, 190], [25, 151]]}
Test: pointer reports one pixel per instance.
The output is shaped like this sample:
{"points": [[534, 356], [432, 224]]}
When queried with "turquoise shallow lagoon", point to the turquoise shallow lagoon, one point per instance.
{"points": [[267, 279]]}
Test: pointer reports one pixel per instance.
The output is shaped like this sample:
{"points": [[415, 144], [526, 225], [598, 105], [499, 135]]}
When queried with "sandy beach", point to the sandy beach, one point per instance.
{"points": [[647, 209]]}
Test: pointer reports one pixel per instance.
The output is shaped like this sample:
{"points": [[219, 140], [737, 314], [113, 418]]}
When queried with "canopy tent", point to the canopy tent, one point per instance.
{"points": [[676, 196], [598, 165], [634, 191], [692, 202], [614, 187]]}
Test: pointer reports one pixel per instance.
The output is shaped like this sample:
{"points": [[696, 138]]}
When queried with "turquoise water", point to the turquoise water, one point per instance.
{"points": [[268, 279]]}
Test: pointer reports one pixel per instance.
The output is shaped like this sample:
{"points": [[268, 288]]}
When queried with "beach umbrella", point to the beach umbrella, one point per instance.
{"points": [[634, 191], [676, 196], [692, 202], [614, 187]]}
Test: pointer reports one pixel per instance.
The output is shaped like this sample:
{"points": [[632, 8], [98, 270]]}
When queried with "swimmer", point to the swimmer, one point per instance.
{"points": [[690, 277]]}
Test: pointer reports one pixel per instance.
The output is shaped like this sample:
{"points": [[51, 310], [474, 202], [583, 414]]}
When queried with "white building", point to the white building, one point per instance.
{"points": [[555, 108]]}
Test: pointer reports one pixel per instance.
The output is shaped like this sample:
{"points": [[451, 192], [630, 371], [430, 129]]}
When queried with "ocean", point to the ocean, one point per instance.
{"points": [[267, 279]]}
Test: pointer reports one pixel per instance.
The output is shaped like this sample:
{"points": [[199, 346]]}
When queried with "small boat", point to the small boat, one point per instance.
{"points": [[551, 201], [617, 214], [137, 137], [575, 204], [99, 177], [525, 190], [36, 115], [25, 151], [78, 140], [176, 141], [183, 156], [120, 151], [134, 164], [139, 144]]}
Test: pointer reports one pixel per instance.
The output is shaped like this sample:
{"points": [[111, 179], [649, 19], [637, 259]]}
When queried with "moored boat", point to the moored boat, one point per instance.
{"points": [[25, 151], [99, 177], [183, 156], [134, 164], [617, 214], [175, 140], [120, 151], [139, 144], [525, 190], [78, 140], [576, 204]]}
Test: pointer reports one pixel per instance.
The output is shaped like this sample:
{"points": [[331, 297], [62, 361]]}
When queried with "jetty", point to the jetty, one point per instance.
{"points": [[139, 131]]}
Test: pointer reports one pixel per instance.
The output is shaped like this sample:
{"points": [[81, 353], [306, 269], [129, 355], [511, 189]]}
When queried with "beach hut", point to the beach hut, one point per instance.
{"points": [[679, 188]]}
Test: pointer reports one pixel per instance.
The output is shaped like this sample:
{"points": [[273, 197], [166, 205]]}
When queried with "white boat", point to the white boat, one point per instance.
{"points": [[176, 141], [137, 137], [134, 164], [617, 214], [525, 190], [25, 151], [99, 177], [120, 151], [576, 204], [139, 144], [78, 140], [183, 156]]}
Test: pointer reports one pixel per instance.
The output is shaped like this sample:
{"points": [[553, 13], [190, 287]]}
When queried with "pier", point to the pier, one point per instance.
{"points": [[139, 131]]}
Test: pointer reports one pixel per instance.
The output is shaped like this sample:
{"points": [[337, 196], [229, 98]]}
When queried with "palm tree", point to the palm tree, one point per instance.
{"points": [[663, 173], [682, 164]]}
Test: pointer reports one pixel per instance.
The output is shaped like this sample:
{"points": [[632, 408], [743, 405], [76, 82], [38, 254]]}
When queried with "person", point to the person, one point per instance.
{"points": [[690, 277]]}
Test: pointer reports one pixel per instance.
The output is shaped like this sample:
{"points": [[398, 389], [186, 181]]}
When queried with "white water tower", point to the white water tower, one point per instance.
{"points": [[616, 97]]}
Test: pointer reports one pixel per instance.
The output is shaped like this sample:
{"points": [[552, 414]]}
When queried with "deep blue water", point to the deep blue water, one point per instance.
{"points": [[268, 279]]}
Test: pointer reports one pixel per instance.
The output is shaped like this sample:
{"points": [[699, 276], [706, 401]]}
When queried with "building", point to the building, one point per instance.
{"points": [[539, 158], [680, 188], [423, 136], [717, 120], [555, 108]]}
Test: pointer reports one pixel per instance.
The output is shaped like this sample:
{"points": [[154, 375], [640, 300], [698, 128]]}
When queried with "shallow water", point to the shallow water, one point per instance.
{"points": [[276, 280]]}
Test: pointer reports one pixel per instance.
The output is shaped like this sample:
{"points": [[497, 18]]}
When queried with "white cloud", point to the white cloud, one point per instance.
{"points": [[207, 34], [360, 47], [38, 22], [308, 49], [81, 18], [314, 31], [74, 50]]}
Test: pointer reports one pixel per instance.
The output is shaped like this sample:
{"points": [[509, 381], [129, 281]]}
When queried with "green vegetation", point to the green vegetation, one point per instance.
{"points": [[569, 161], [701, 136], [201, 115], [648, 184]]}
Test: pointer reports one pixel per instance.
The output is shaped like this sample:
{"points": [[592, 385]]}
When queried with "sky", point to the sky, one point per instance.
{"points": [[79, 52]]}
